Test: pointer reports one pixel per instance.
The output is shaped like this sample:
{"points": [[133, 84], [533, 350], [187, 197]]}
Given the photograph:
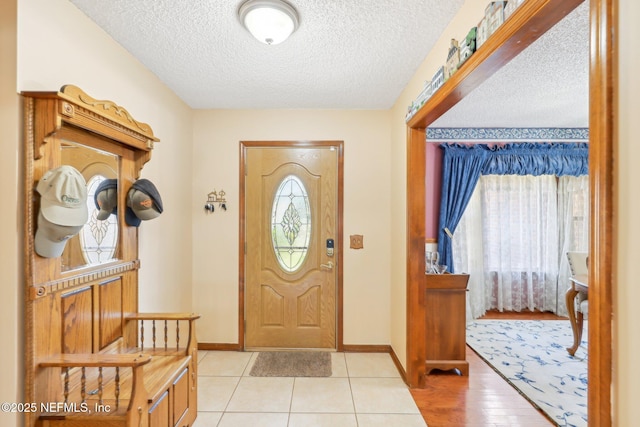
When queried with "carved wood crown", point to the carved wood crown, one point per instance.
{"points": [[106, 108]]}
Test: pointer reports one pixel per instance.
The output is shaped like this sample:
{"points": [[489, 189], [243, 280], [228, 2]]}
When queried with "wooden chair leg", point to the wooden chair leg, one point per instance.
{"points": [[579, 324]]}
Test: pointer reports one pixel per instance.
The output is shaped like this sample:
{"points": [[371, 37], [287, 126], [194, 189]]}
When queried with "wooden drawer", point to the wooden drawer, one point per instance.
{"points": [[180, 394]]}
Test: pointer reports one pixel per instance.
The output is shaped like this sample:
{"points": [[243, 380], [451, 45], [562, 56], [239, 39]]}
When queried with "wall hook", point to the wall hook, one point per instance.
{"points": [[213, 198]]}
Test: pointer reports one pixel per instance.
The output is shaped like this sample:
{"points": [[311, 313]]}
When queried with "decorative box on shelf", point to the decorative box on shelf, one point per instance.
{"points": [[468, 46], [453, 58], [493, 18], [511, 6], [438, 80], [445, 320], [424, 95]]}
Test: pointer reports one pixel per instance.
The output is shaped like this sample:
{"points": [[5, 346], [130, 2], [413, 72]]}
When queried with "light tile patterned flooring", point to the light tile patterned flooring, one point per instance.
{"points": [[365, 390]]}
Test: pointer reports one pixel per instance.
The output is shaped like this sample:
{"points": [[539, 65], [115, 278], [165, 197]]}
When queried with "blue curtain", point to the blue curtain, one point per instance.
{"points": [[462, 166], [461, 169]]}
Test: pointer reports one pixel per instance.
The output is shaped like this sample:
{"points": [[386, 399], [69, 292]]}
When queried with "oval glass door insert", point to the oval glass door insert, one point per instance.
{"points": [[98, 239], [291, 223]]}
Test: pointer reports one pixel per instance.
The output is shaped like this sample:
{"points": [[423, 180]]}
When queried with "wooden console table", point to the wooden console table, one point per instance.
{"points": [[579, 284], [445, 322]]}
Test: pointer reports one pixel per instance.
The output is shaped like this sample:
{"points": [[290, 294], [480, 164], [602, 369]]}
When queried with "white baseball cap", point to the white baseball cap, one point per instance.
{"points": [[64, 196], [51, 238]]}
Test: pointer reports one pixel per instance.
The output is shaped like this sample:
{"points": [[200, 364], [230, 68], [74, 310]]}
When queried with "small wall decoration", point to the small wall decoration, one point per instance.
{"points": [[213, 198]]}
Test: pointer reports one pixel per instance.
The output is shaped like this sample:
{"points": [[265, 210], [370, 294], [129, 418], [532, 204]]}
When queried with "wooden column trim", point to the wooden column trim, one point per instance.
{"points": [[416, 210], [603, 98]]}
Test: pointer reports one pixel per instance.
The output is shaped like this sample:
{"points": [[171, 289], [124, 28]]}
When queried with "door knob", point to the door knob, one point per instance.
{"points": [[328, 266]]}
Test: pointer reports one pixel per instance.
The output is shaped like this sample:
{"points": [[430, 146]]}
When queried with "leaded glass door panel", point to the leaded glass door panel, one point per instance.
{"points": [[290, 280]]}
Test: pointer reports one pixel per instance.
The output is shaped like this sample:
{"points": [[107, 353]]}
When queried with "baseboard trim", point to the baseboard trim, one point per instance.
{"points": [[219, 346], [399, 367], [347, 348], [359, 348]]}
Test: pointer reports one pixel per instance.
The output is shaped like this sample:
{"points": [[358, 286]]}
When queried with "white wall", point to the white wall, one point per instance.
{"points": [[367, 207], [57, 44], [626, 374]]}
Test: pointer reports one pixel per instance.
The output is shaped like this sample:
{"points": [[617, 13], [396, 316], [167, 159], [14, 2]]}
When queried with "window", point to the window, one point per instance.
{"points": [[513, 237]]}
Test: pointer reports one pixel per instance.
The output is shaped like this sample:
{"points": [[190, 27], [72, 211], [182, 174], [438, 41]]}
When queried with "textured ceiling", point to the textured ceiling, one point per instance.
{"points": [[346, 54], [547, 85]]}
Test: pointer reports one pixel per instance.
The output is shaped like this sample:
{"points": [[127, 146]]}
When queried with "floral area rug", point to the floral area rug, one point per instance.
{"points": [[531, 355]]}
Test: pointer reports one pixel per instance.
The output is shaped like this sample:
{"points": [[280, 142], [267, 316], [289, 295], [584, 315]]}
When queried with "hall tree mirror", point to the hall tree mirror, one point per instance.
{"points": [[97, 241], [101, 141]]}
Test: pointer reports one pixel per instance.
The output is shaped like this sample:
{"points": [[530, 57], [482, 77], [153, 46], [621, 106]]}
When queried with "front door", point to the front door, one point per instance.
{"points": [[291, 245]]}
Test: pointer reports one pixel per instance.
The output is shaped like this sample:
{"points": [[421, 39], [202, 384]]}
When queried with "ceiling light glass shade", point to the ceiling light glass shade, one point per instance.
{"points": [[269, 21]]}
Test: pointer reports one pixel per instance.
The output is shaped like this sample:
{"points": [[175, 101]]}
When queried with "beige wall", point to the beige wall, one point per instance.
{"points": [[74, 51], [367, 207], [10, 219], [58, 44], [625, 334], [467, 17]]}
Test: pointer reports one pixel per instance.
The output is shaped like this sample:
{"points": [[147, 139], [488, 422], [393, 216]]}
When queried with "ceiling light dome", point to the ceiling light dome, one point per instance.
{"points": [[269, 21]]}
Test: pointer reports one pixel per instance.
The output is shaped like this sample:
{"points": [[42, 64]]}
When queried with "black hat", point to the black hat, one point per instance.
{"points": [[143, 202], [106, 198]]}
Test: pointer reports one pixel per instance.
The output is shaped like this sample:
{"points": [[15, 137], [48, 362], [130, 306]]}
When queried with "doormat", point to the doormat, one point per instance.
{"points": [[292, 364]]}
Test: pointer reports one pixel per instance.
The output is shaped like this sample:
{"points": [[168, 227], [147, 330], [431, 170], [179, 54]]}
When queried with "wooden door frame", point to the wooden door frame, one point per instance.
{"points": [[603, 140], [339, 146]]}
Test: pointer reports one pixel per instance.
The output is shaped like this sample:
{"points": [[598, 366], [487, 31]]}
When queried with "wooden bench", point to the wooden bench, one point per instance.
{"points": [[124, 385], [91, 357]]}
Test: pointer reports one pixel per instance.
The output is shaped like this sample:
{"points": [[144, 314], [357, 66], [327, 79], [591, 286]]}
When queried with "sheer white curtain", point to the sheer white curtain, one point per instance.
{"points": [[510, 240], [573, 214]]}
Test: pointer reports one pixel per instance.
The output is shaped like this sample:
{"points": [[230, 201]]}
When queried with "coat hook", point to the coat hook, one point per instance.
{"points": [[213, 198]]}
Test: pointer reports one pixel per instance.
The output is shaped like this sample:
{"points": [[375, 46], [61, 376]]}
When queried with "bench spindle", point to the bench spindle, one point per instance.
{"points": [[100, 378], [166, 334], [177, 335], [66, 384], [142, 335], [153, 333], [117, 389], [83, 385]]}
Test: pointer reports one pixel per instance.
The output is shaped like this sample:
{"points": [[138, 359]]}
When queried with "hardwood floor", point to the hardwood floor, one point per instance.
{"points": [[484, 398]]}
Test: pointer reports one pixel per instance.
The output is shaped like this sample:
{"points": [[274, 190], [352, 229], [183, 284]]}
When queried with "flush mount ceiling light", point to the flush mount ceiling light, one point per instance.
{"points": [[269, 21]]}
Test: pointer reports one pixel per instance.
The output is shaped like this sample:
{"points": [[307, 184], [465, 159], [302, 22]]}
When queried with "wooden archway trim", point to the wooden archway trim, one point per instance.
{"points": [[603, 116], [529, 22]]}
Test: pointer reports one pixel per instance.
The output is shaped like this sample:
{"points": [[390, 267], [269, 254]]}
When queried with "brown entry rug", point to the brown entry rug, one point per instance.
{"points": [[292, 364]]}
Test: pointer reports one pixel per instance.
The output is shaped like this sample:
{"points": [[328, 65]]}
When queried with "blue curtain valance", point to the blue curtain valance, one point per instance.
{"points": [[462, 166], [529, 158]]}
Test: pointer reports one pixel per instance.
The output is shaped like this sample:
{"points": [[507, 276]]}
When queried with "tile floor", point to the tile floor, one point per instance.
{"points": [[365, 390]]}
